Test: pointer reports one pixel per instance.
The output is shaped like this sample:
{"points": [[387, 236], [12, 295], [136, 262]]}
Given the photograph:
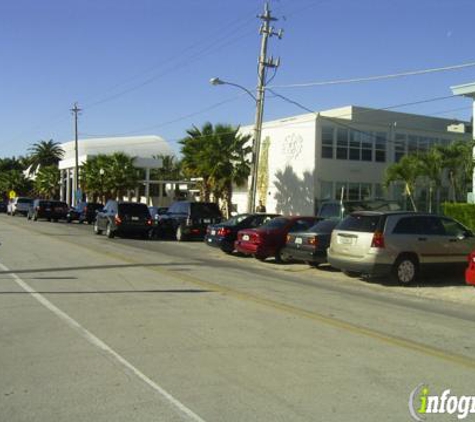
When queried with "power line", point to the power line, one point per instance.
{"points": [[376, 78]]}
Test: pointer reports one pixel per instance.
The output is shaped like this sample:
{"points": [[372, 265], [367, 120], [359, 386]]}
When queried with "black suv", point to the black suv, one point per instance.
{"points": [[47, 209], [84, 211], [188, 220], [123, 218]]}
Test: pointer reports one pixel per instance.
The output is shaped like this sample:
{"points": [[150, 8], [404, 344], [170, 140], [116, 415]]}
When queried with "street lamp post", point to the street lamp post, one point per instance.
{"points": [[251, 202]]}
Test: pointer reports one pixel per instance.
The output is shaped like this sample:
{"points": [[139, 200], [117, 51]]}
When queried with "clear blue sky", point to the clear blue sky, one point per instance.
{"points": [[142, 66]]}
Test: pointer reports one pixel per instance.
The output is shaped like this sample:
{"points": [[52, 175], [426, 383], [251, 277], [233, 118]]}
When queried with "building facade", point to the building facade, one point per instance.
{"points": [[339, 153], [144, 150]]}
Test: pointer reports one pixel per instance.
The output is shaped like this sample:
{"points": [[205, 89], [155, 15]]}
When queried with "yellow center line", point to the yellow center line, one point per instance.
{"points": [[391, 340]]}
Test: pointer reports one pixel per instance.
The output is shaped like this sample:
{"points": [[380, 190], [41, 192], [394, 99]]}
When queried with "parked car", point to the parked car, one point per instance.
{"points": [[3, 206], [340, 209], [47, 209], [398, 244], [269, 239], [19, 205], [310, 246], [223, 235], [84, 211], [188, 220], [120, 218]]}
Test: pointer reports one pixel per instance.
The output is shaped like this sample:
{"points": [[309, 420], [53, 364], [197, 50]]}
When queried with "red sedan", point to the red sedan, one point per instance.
{"points": [[269, 239]]}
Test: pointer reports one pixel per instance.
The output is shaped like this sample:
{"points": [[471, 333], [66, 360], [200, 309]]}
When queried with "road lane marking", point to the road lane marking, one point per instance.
{"points": [[97, 342], [391, 340]]}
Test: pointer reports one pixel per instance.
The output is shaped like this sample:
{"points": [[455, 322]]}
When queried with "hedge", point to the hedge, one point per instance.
{"points": [[465, 213]]}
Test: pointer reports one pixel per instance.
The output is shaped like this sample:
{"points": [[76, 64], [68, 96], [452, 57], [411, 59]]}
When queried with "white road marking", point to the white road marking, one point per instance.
{"points": [[95, 341]]}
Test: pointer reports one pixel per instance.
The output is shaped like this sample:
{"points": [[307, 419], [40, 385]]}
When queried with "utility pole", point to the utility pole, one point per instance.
{"points": [[76, 111], [266, 31]]}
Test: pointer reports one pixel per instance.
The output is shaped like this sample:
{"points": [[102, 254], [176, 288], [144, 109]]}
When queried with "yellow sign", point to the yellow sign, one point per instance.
{"points": [[12, 194]]}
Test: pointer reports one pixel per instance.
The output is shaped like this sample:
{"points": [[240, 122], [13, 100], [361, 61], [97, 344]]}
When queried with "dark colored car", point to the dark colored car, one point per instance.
{"points": [[3, 206], [310, 246], [47, 209], [188, 220], [123, 218], [269, 239], [223, 235], [84, 211], [340, 209]]}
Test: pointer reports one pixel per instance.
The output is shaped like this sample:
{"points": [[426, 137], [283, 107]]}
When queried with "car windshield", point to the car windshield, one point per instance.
{"points": [[276, 223], [24, 201]]}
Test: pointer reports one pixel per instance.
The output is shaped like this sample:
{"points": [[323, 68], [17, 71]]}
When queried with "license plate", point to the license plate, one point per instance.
{"points": [[298, 240], [134, 218], [245, 237], [346, 240], [213, 232], [206, 220]]}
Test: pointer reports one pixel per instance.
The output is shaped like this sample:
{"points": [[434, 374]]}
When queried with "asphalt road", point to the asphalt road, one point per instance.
{"points": [[94, 329]]}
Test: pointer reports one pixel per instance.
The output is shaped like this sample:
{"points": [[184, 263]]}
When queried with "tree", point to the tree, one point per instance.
{"points": [[47, 182], [44, 154], [109, 176], [14, 180], [170, 169], [217, 155], [407, 170], [431, 165], [228, 162], [194, 150]]}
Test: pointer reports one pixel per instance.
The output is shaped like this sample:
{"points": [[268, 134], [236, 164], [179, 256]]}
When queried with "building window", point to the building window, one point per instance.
{"points": [[342, 144], [355, 145], [399, 147], [326, 190], [327, 142], [366, 147], [380, 147]]}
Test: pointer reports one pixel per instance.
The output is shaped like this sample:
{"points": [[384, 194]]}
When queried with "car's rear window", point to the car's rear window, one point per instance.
{"points": [[323, 226], [360, 223], [276, 223], [134, 209], [205, 209], [24, 201]]}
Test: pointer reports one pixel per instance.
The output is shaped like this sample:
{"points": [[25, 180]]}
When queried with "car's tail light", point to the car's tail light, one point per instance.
{"points": [[149, 221], [117, 219], [313, 241], [378, 240], [288, 238], [224, 231]]}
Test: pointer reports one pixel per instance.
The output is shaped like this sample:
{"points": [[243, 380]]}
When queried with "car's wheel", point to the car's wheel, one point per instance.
{"points": [[97, 230], [280, 257], [109, 232], [405, 269], [227, 248]]}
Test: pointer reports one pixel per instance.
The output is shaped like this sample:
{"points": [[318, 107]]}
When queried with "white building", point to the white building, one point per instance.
{"points": [[142, 148], [312, 157]]}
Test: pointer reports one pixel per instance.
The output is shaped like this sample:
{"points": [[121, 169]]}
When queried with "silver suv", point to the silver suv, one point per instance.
{"points": [[397, 243]]}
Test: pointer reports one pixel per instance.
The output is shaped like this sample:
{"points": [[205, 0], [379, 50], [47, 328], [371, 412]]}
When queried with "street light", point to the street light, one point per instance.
{"points": [[259, 101]]}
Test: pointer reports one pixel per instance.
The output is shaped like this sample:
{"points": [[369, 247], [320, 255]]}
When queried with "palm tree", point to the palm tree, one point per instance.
{"points": [[194, 150], [14, 180], [432, 166], [170, 169], [47, 182], [228, 162], [407, 170], [45, 153]]}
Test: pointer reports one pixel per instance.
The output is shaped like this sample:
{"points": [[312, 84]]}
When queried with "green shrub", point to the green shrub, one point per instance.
{"points": [[465, 213]]}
